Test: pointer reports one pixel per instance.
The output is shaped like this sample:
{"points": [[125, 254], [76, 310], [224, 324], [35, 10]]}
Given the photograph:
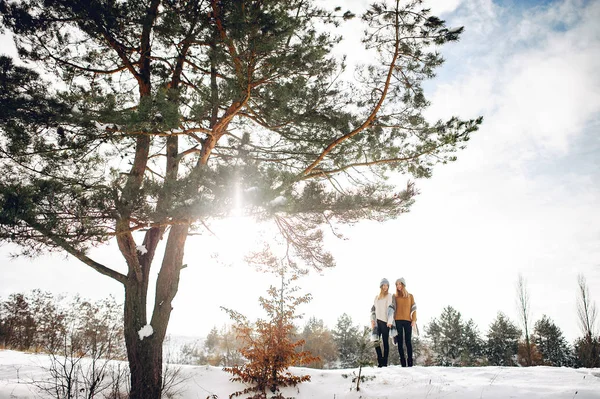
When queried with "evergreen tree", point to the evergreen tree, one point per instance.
{"points": [[164, 111], [319, 342], [550, 343], [473, 346], [347, 339], [446, 335], [365, 355], [502, 342], [211, 346]]}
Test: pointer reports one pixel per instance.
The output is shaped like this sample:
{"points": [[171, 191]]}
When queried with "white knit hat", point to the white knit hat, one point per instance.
{"points": [[401, 280], [384, 281]]}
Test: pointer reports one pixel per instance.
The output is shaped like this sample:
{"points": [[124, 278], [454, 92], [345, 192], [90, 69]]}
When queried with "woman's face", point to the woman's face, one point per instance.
{"points": [[385, 287], [399, 286]]}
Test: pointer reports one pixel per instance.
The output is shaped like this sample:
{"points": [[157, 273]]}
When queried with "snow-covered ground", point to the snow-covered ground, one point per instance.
{"points": [[394, 382]]}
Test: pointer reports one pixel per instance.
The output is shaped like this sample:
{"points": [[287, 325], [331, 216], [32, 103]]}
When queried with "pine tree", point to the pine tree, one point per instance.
{"points": [[164, 111], [269, 346], [347, 338], [365, 355], [446, 335], [550, 343], [502, 342], [211, 346], [473, 346], [319, 342]]}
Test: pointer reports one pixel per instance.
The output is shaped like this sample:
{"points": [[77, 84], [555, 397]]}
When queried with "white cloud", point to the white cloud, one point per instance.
{"points": [[442, 6], [536, 86]]}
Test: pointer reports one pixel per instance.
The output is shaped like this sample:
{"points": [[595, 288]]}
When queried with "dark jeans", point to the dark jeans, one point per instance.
{"points": [[404, 335], [384, 334]]}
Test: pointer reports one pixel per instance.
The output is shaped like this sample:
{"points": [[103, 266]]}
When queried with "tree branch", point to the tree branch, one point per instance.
{"points": [[79, 254], [370, 118], [322, 173]]}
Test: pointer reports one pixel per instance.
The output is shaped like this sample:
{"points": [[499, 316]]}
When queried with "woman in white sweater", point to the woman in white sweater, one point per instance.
{"points": [[382, 319]]}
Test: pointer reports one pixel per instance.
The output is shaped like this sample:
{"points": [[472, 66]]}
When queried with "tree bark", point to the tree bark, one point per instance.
{"points": [[145, 372], [146, 355]]}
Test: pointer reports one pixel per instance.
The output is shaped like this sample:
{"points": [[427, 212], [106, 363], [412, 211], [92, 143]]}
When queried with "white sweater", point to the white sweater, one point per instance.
{"points": [[382, 311]]}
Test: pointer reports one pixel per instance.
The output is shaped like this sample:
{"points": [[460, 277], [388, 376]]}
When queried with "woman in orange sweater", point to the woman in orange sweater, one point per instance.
{"points": [[405, 317]]}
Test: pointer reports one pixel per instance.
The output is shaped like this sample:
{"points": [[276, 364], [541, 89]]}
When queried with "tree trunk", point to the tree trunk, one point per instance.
{"points": [[146, 355], [528, 343]]}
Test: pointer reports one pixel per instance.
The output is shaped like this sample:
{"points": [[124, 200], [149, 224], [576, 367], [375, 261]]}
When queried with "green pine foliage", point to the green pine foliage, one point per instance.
{"points": [[446, 335], [365, 353], [502, 342], [474, 346], [346, 336], [454, 342], [227, 96], [551, 344]]}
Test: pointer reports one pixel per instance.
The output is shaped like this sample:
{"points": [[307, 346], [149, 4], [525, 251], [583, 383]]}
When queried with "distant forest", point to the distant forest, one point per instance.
{"points": [[39, 321]]}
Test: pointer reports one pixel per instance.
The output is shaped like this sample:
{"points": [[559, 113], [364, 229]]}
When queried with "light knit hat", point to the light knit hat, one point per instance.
{"points": [[401, 280], [384, 281]]}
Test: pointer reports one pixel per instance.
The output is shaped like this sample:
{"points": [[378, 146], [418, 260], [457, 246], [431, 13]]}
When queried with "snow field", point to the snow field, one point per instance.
{"points": [[394, 382]]}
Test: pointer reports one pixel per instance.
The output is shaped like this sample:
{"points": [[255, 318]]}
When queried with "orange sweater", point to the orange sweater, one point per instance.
{"points": [[405, 308]]}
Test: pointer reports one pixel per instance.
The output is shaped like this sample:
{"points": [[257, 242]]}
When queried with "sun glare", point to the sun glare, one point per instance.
{"points": [[236, 235]]}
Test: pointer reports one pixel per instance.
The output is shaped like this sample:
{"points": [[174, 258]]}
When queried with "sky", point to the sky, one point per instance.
{"points": [[523, 198]]}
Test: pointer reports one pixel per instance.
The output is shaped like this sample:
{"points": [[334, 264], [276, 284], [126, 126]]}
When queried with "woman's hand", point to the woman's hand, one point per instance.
{"points": [[389, 325], [413, 323], [372, 323]]}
